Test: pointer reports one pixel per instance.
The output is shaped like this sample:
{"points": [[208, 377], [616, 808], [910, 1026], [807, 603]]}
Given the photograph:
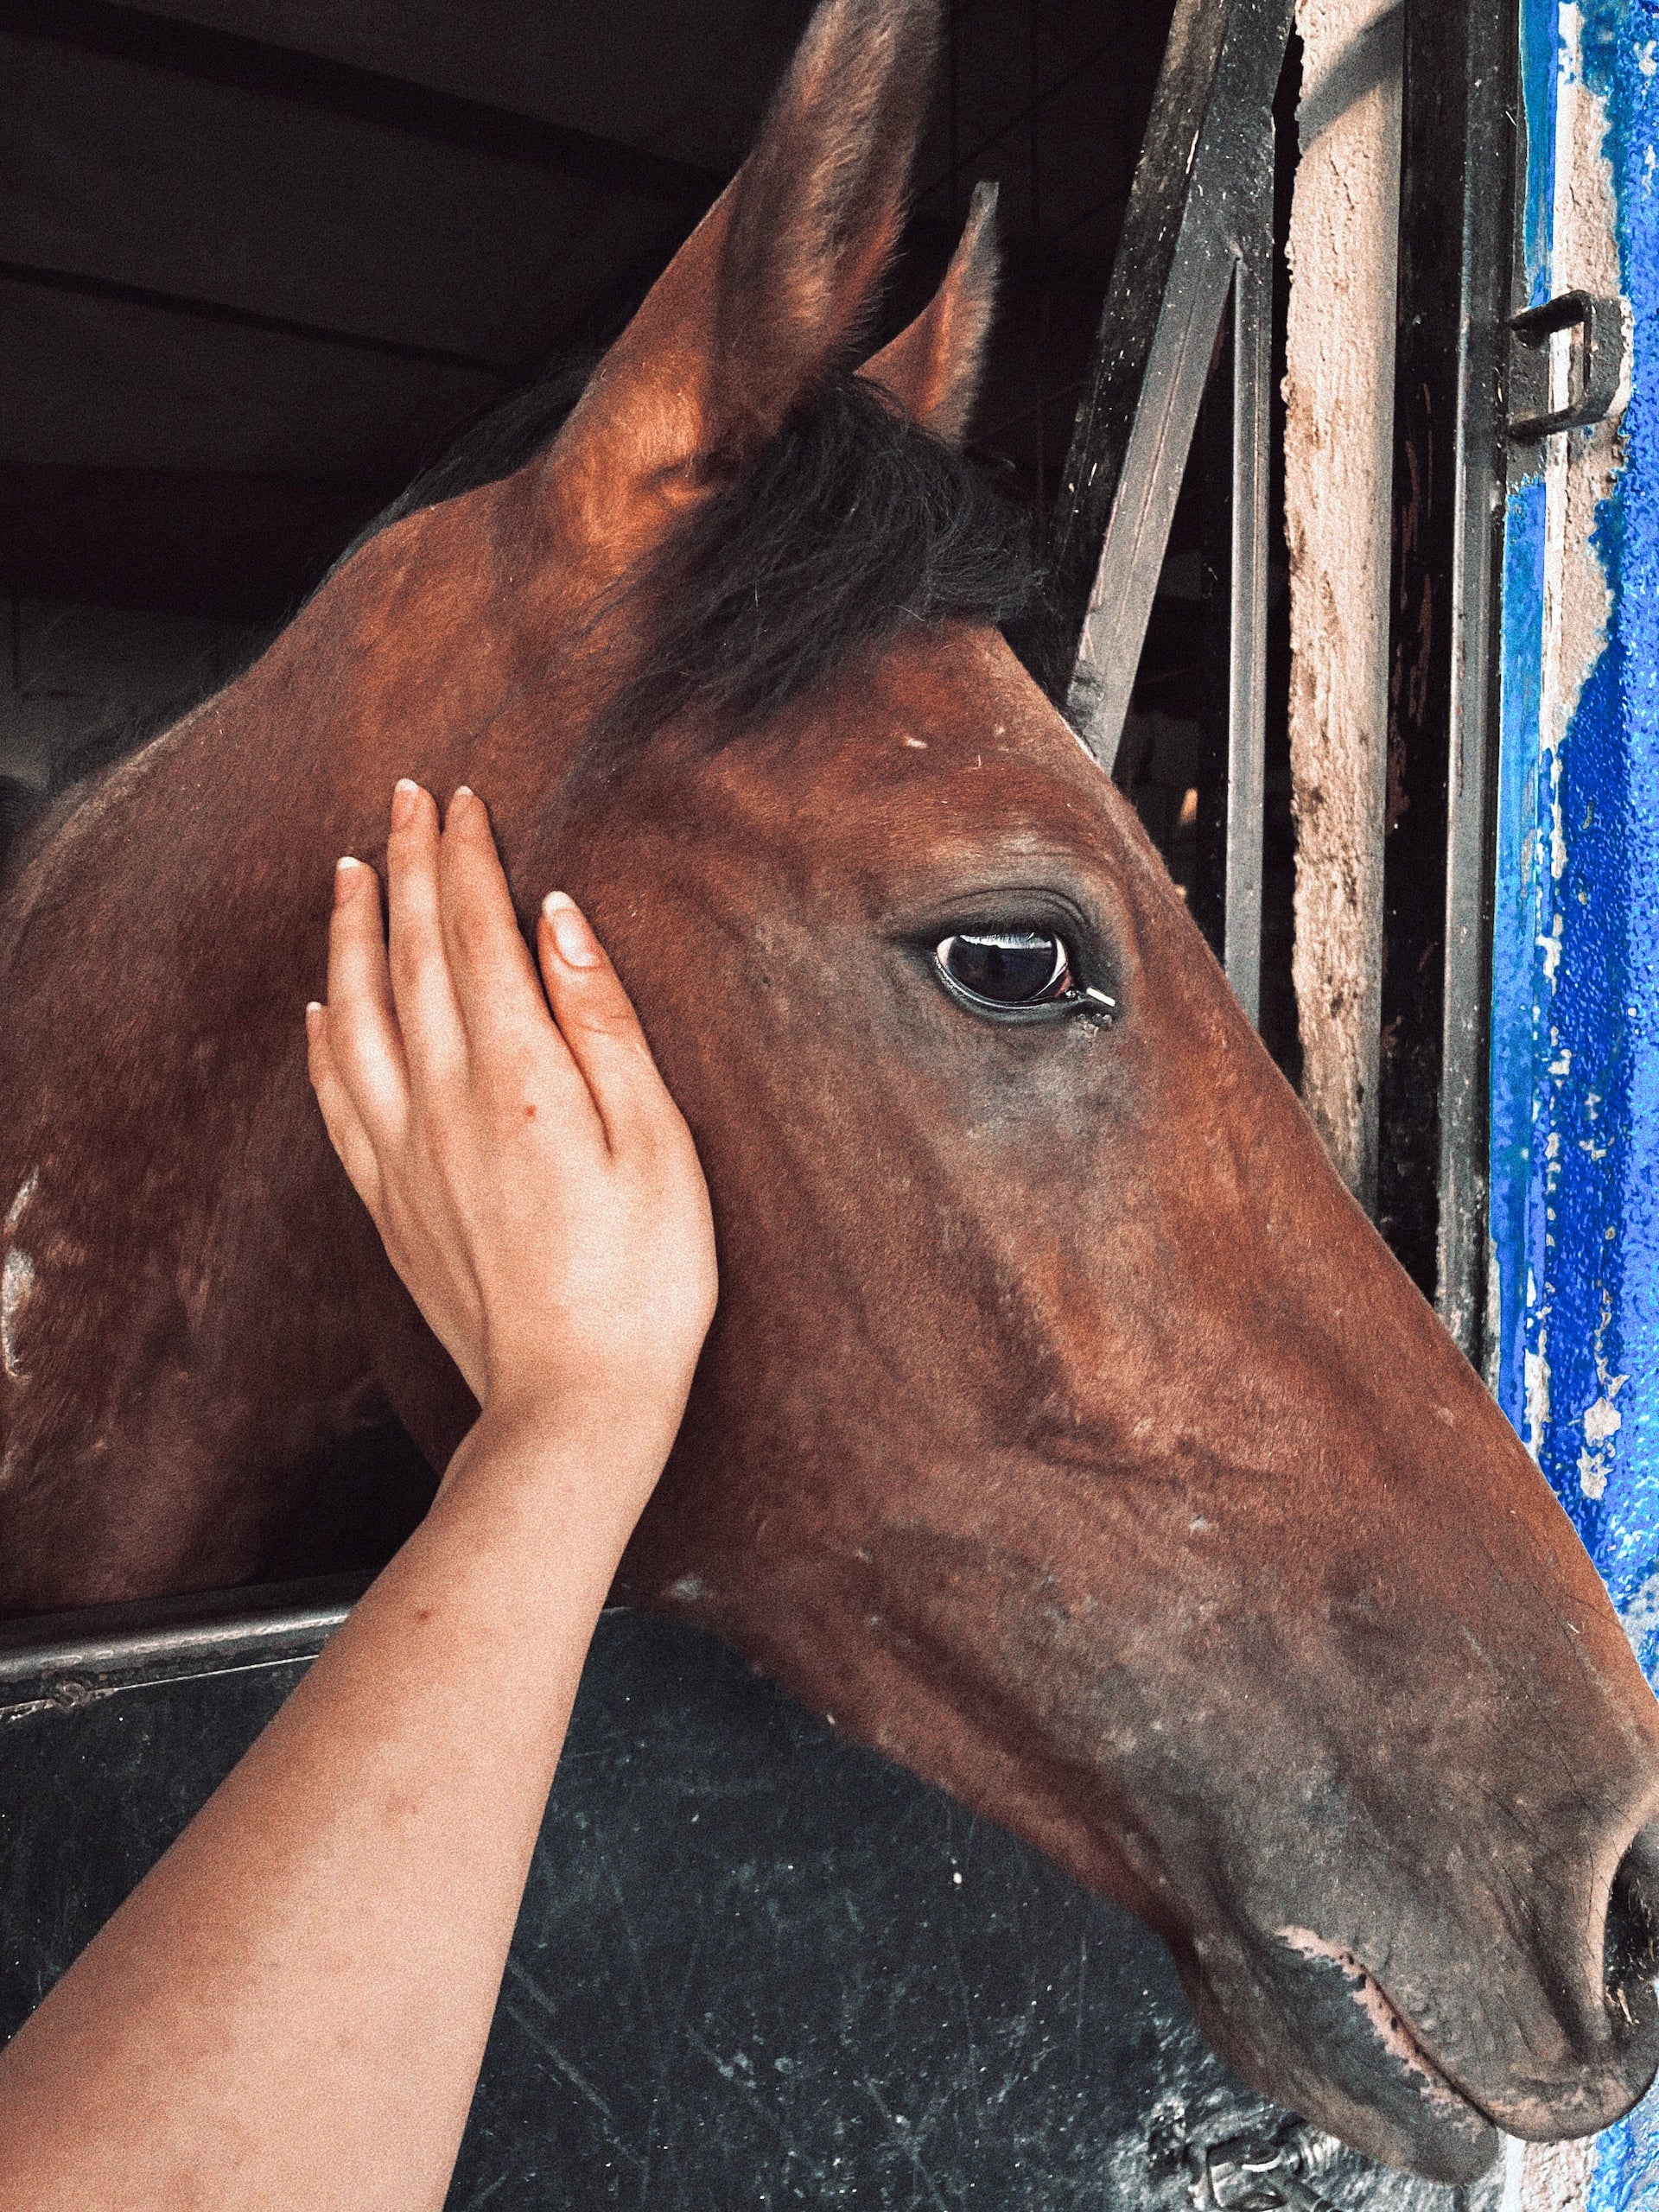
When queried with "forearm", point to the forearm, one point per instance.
{"points": [[290, 2010], [280, 2014]]}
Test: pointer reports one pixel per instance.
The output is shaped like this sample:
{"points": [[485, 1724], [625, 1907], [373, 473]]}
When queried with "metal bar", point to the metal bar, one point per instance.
{"points": [[1247, 706], [253, 65], [1212, 472], [1462, 1245], [1194, 195], [1132, 554], [1457, 154], [1599, 359], [65, 1658]]}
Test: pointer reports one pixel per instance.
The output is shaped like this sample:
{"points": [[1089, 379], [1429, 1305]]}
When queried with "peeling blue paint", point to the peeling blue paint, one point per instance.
{"points": [[1596, 1045], [1540, 33], [1514, 1206], [1575, 1036]]}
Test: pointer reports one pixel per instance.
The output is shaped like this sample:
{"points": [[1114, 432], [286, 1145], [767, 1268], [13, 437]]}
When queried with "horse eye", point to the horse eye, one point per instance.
{"points": [[1005, 968]]}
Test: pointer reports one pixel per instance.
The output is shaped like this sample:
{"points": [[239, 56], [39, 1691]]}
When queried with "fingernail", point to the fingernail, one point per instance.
{"points": [[313, 1013], [463, 790], [345, 867], [575, 941], [404, 793]]}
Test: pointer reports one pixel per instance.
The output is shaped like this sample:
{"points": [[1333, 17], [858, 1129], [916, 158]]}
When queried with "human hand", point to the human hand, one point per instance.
{"points": [[532, 1180]]}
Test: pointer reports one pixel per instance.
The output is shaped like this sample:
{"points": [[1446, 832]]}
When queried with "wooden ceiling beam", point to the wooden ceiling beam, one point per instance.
{"points": [[257, 66], [201, 310]]}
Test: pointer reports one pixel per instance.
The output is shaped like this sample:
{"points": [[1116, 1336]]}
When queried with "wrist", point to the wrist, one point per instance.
{"points": [[582, 1463], [621, 1406], [619, 1412]]}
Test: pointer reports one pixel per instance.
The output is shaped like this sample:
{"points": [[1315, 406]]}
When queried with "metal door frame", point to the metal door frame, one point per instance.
{"points": [[1197, 236]]}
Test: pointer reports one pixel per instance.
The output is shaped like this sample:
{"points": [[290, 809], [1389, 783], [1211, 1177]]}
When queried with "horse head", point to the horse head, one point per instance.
{"points": [[1066, 1432]]}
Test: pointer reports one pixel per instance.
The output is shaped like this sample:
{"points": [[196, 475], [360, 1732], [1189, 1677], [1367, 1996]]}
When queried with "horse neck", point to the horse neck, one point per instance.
{"points": [[397, 667]]}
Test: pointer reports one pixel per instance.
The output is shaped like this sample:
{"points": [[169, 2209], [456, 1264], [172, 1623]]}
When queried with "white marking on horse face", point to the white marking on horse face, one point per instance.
{"points": [[689, 1590], [16, 1282], [17, 1277], [22, 1203]]}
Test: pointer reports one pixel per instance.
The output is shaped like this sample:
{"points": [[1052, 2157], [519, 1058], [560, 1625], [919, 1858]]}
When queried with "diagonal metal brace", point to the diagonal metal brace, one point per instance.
{"points": [[1198, 228], [1195, 215]]}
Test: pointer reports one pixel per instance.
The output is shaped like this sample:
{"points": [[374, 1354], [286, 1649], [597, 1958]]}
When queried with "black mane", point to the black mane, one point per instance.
{"points": [[852, 524], [494, 444]]}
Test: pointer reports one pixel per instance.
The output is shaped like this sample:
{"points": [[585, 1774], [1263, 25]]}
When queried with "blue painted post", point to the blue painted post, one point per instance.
{"points": [[1575, 1030]]}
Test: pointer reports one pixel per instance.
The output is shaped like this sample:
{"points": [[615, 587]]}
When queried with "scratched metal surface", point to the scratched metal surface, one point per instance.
{"points": [[755, 1968]]}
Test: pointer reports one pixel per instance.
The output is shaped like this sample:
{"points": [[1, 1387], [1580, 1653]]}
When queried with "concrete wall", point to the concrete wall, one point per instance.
{"points": [[1338, 486]]}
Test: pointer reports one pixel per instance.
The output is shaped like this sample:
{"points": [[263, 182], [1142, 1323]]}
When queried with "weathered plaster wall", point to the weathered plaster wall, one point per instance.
{"points": [[1339, 478], [1548, 2176], [1575, 1036]]}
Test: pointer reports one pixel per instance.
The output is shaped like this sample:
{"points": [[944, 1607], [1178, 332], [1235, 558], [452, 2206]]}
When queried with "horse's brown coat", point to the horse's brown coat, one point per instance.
{"points": [[1065, 1430]]}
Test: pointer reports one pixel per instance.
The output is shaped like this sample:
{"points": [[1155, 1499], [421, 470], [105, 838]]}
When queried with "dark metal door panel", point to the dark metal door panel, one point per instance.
{"points": [[756, 1966]]}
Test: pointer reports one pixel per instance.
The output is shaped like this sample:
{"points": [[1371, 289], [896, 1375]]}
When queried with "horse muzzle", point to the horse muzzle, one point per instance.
{"points": [[1314, 2024]]}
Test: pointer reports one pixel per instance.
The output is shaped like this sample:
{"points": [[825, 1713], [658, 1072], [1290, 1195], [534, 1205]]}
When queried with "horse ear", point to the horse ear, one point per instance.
{"points": [[933, 367], [773, 289]]}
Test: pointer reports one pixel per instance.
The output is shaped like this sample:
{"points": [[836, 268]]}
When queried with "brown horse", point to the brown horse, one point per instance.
{"points": [[1066, 1432]]}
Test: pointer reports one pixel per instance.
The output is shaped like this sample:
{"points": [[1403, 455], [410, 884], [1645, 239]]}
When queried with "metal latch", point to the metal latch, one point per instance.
{"points": [[1252, 2173], [1596, 375]]}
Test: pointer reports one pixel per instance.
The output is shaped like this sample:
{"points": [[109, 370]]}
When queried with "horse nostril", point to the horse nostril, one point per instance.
{"points": [[1629, 1950]]}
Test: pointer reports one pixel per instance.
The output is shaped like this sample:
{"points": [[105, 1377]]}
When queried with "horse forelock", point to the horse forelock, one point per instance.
{"points": [[851, 525]]}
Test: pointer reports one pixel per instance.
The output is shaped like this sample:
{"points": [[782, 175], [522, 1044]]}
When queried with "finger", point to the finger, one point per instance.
{"points": [[512, 1039], [367, 1053], [495, 982], [597, 1022], [346, 1130], [427, 1017]]}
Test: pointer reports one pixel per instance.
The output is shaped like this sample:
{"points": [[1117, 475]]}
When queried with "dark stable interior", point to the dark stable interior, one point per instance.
{"points": [[264, 259]]}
